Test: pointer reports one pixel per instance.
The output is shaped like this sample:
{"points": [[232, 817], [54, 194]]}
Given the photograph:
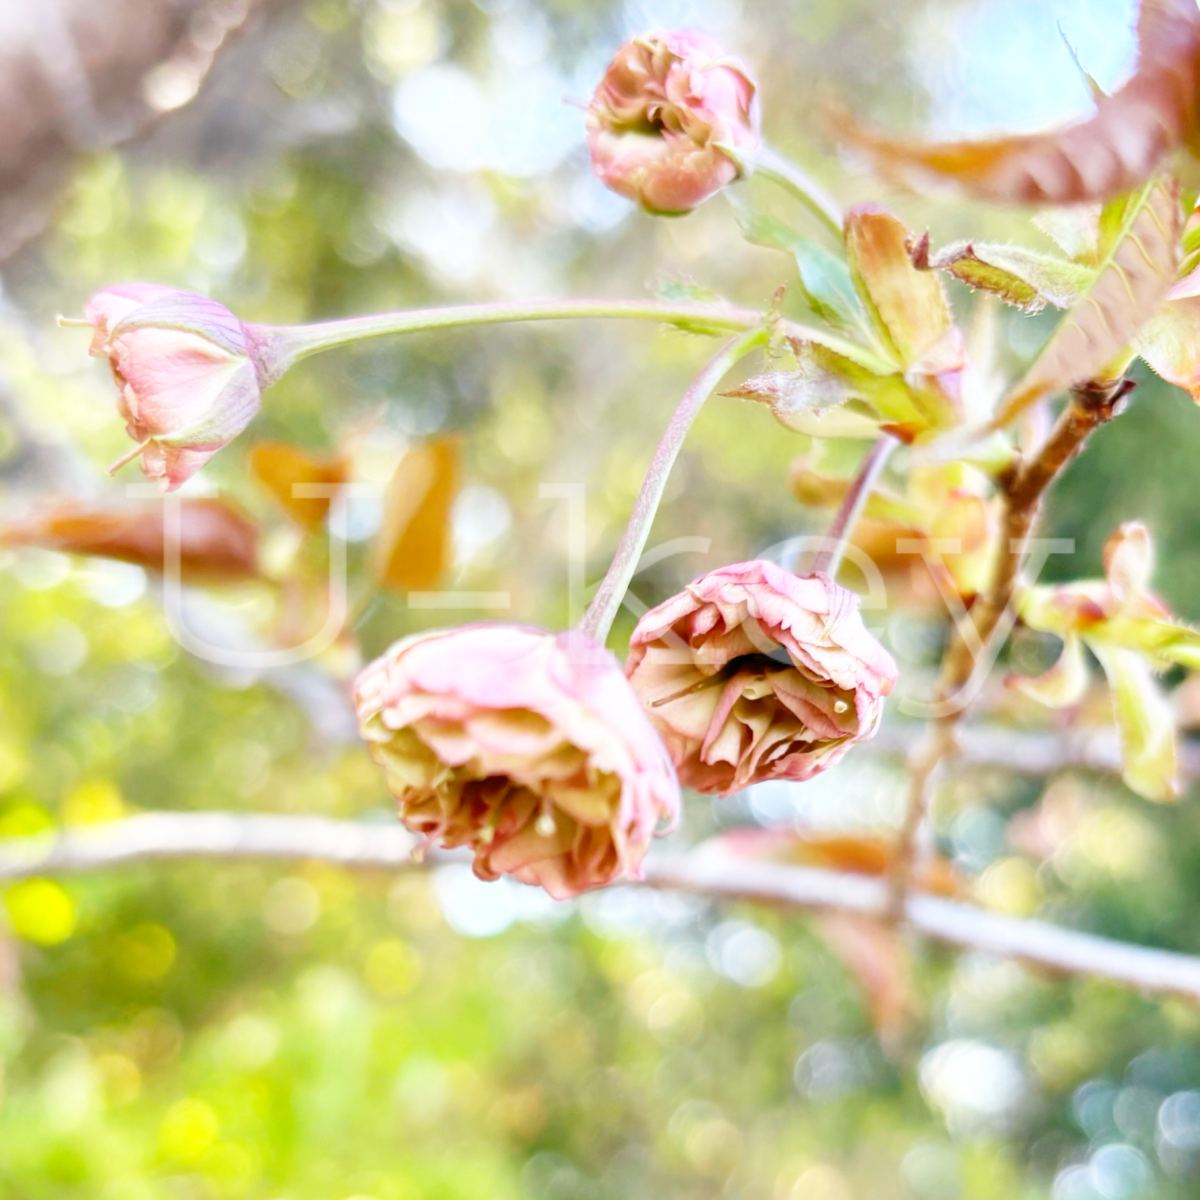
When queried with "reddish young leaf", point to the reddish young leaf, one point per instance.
{"points": [[1114, 150], [875, 954], [217, 542], [907, 305], [412, 549], [280, 467], [1129, 288]]}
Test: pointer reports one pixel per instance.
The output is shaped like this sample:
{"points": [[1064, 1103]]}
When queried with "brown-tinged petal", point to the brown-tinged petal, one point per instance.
{"points": [[529, 748]]}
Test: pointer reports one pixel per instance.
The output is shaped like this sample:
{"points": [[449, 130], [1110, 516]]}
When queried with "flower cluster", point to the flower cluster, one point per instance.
{"points": [[534, 750]]}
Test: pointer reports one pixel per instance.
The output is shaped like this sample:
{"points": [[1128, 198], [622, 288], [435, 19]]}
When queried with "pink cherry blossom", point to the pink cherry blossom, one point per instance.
{"points": [[753, 673], [530, 748], [186, 372], [659, 118]]}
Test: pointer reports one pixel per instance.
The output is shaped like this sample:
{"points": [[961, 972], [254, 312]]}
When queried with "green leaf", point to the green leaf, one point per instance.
{"points": [[1063, 684], [824, 277], [1159, 638], [679, 292], [1145, 723], [1023, 278], [1191, 241]]}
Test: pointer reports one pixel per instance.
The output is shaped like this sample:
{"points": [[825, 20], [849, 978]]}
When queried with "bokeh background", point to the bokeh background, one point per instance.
{"points": [[195, 1031]]}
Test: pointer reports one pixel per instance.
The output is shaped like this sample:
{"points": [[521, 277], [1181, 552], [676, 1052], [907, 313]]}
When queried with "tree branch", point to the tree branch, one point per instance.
{"points": [[363, 845], [1022, 490], [1030, 752]]}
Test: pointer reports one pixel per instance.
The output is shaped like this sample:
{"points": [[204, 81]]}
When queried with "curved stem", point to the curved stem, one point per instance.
{"points": [[602, 611], [781, 170], [828, 559], [280, 347]]}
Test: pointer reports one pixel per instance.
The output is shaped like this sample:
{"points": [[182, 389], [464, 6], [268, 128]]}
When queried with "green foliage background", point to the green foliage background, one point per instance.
{"points": [[303, 1033]]}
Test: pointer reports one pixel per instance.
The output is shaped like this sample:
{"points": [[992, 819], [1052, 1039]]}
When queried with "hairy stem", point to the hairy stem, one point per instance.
{"points": [[281, 347], [780, 169], [602, 611], [1022, 489], [829, 558]]}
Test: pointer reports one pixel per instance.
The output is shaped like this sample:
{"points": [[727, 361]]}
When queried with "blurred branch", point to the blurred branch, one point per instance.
{"points": [[210, 835], [969, 655], [78, 75], [362, 845], [1028, 752]]}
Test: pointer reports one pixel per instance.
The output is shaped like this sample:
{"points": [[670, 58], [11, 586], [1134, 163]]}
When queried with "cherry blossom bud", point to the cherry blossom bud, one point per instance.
{"points": [[187, 373], [530, 748], [657, 122], [752, 673]]}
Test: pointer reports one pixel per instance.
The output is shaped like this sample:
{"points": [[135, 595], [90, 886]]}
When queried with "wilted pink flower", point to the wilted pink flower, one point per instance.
{"points": [[526, 746], [656, 124], [185, 366], [752, 673]]}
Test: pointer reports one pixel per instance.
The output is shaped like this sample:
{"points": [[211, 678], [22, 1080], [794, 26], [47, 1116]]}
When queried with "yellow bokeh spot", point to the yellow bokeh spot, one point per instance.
{"points": [[13, 764], [146, 952], [121, 1076], [392, 968], [40, 911], [402, 39], [24, 819], [189, 1130], [1063, 1055], [93, 802], [1011, 886], [822, 1182], [1119, 842], [233, 1167]]}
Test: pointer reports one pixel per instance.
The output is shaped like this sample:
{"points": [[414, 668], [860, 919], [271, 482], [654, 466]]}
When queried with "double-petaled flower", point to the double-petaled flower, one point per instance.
{"points": [[752, 673], [528, 747], [661, 121]]}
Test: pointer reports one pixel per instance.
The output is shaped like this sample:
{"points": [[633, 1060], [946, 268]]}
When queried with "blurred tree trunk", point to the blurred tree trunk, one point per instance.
{"points": [[79, 75]]}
